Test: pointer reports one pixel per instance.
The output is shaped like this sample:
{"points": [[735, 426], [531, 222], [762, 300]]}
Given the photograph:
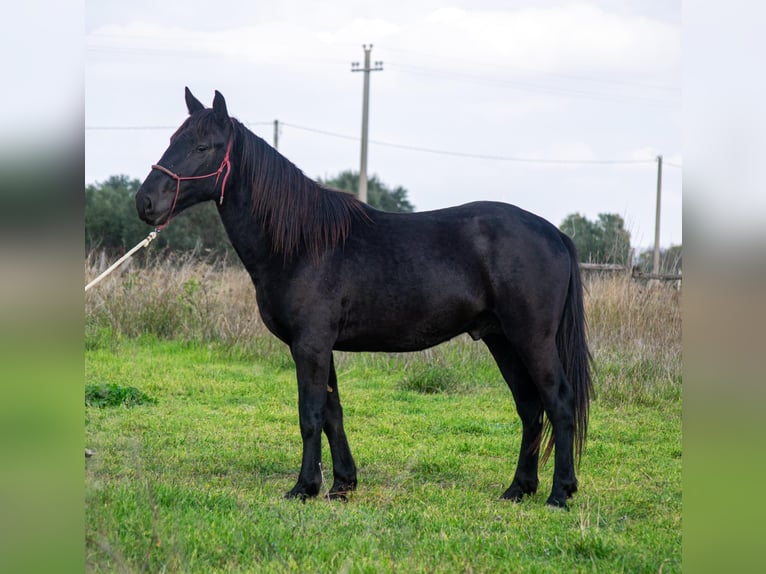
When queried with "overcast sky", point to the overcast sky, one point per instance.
{"points": [[555, 106]]}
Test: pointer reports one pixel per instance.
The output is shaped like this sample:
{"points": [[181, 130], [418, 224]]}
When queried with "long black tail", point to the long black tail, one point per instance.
{"points": [[572, 344]]}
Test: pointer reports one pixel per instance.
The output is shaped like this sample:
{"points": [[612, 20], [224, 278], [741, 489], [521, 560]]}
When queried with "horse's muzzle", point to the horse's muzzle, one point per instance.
{"points": [[146, 209]]}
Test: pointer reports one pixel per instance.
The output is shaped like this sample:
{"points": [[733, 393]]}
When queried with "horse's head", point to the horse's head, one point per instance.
{"points": [[194, 168]]}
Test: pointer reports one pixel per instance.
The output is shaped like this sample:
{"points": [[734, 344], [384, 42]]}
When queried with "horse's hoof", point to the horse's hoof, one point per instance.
{"points": [[296, 496], [513, 494], [341, 489], [298, 493], [339, 496], [518, 489], [556, 502]]}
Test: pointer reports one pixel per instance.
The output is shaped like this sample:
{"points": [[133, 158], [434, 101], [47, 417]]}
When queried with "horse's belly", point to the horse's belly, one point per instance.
{"points": [[407, 335], [400, 343]]}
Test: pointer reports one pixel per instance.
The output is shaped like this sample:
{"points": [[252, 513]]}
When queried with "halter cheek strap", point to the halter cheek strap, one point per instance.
{"points": [[225, 165]]}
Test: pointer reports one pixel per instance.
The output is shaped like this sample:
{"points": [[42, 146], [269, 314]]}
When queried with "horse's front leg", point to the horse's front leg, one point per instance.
{"points": [[343, 466], [312, 368]]}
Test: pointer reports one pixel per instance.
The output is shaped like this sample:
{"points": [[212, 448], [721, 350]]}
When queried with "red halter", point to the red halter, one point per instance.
{"points": [[225, 164]]}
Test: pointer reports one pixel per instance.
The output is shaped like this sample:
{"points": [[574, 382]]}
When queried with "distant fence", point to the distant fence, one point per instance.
{"points": [[633, 272]]}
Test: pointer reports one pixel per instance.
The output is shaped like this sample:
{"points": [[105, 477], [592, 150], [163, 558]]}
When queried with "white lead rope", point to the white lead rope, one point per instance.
{"points": [[149, 238]]}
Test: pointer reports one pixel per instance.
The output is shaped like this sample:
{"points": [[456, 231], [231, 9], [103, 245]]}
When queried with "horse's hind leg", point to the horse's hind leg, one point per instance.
{"points": [[343, 466], [542, 360], [530, 409]]}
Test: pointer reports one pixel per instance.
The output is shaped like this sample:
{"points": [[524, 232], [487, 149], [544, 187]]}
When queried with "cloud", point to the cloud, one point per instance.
{"points": [[575, 37], [261, 44], [361, 31], [571, 38]]}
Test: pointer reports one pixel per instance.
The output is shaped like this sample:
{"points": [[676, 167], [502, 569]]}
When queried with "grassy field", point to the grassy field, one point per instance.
{"points": [[188, 474]]}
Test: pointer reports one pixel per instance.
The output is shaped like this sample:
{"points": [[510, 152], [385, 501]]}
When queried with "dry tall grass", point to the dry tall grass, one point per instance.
{"points": [[634, 330], [173, 296], [635, 337]]}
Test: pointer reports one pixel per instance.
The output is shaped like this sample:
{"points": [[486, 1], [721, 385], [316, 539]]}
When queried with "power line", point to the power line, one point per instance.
{"points": [[474, 155], [322, 132], [148, 128], [452, 153], [128, 128]]}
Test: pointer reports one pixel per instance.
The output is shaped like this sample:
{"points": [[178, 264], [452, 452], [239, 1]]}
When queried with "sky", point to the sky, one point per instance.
{"points": [[558, 107]]}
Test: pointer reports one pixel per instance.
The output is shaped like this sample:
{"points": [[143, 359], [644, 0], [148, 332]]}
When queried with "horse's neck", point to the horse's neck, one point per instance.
{"points": [[247, 236]]}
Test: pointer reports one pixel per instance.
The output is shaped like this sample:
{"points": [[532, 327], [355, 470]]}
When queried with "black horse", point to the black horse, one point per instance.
{"points": [[332, 273]]}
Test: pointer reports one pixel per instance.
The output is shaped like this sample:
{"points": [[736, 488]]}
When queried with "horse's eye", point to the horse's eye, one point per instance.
{"points": [[202, 147]]}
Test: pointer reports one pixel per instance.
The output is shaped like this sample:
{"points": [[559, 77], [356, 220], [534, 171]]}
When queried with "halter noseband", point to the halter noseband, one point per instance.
{"points": [[225, 164]]}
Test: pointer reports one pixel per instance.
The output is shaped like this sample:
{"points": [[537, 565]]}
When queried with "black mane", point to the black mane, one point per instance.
{"points": [[297, 213]]}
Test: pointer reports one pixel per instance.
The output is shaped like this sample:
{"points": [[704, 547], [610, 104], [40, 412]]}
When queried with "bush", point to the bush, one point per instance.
{"points": [[113, 395], [431, 379]]}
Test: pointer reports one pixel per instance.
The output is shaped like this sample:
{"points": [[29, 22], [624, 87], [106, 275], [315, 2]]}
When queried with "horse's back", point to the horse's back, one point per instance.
{"points": [[484, 236]]}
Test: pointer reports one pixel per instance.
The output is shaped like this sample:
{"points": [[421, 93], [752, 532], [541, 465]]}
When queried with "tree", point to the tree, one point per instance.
{"points": [[379, 195], [603, 241], [111, 222], [670, 260]]}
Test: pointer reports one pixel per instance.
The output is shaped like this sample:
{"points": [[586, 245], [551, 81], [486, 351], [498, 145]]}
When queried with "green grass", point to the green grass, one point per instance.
{"points": [[194, 482]]}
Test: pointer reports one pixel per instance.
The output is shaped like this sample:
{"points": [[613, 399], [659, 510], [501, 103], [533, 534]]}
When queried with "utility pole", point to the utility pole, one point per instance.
{"points": [[365, 115], [276, 134], [656, 263]]}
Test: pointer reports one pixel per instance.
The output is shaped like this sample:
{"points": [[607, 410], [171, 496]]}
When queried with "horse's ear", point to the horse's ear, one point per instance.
{"points": [[192, 103], [219, 106]]}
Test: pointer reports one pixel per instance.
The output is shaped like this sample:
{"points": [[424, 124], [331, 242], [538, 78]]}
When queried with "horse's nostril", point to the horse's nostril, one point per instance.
{"points": [[143, 204]]}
